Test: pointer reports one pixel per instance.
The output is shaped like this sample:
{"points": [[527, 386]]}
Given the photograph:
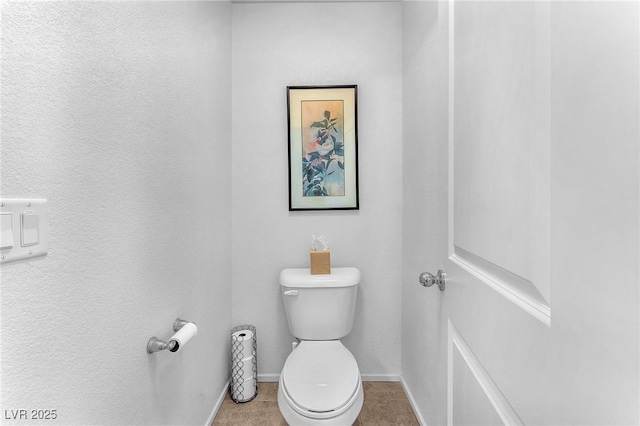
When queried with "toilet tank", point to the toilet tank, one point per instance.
{"points": [[320, 307]]}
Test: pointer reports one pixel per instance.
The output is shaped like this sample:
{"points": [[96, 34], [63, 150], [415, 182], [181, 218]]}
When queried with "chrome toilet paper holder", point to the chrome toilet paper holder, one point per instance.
{"points": [[157, 345]]}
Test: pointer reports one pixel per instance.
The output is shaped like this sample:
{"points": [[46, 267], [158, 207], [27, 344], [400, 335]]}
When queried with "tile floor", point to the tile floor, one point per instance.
{"points": [[385, 403]]}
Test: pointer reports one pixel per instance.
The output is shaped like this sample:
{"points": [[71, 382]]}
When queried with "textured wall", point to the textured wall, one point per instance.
{"points": [[118, 113], [424, 205], [281, 44]]}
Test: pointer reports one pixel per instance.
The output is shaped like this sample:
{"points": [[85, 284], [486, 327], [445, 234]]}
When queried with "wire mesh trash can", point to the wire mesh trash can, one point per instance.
{"points": [[244, 363]]}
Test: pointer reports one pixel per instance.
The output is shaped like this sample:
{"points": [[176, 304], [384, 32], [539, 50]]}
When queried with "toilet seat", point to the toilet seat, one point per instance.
{"points": [[321, 378]]}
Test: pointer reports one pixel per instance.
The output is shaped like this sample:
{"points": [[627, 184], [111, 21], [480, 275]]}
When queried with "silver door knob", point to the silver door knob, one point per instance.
{"points": [[427, 279]]}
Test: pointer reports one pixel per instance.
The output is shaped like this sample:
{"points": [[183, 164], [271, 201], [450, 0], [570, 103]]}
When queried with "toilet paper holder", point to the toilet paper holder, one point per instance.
{"points": [[157, 345]]}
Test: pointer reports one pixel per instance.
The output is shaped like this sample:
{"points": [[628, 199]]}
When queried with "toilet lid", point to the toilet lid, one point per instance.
{"points": [[321, 376]]}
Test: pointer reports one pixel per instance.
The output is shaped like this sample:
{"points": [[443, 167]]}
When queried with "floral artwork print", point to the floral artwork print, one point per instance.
{"points": [[323, 148]]}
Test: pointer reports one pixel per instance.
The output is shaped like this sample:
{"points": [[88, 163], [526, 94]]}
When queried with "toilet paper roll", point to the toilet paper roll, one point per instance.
{"points": [[242, 335], [242, 392], [248, 360], [242, 342], [247, 369], [182, 337]]}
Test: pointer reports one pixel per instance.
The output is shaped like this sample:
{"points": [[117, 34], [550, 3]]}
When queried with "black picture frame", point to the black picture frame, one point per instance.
{"points": [[322, 124]]}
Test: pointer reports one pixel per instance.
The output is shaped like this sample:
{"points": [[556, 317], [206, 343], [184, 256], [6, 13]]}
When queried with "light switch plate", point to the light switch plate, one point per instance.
{"points": [[6, 228], [29, 228]]}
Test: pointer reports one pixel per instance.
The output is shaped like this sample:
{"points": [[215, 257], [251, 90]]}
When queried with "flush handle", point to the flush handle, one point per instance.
{"points": [[427, 279], [291, 293]]}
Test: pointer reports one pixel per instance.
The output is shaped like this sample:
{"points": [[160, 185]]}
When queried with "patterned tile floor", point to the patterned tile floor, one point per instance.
{"points": [[385, 403]]}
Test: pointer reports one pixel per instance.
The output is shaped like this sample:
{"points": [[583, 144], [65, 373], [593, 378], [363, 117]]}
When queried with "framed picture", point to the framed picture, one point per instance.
{"points": [[323, 147]]}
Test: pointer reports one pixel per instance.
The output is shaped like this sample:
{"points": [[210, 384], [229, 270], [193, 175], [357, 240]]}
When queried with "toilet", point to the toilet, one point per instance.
{"points": [[320, 383]]}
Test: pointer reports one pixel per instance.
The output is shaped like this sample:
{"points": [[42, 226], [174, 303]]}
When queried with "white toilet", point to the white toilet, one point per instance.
{"points": [[320, 383]]}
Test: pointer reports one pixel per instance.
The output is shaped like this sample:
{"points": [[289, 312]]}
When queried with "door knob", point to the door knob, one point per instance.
{"points": [[427, 279]]}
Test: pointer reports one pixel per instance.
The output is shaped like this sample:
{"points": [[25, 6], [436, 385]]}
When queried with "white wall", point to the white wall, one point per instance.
{"points": [[424, 204], [117, 112], [281, 44]]}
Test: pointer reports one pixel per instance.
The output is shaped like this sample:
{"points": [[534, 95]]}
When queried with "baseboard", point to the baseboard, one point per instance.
{"points": [[380, 377], [218, 403], [365, 377], [268, 377], [413, 403]]}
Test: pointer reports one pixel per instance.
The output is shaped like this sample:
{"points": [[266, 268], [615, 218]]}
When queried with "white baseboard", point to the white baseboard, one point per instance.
{"points": [[380, 377], [218, 403], [413, 403], [365, 377], [269, 377]]}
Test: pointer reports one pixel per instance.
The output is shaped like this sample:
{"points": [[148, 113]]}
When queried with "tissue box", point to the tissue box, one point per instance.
{"points": [[320, 262]]}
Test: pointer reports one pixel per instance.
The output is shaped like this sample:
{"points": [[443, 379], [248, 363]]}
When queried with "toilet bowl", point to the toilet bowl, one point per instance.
{"points": [[320, 384]]}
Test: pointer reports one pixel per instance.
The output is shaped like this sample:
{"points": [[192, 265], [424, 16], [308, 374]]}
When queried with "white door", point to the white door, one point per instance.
{"points": [[541, 307]]}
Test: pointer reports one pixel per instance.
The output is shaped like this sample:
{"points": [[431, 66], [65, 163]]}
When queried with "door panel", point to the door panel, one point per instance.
{"points": [[500, 188], [474, 397], [472, 404], [541, 311]]}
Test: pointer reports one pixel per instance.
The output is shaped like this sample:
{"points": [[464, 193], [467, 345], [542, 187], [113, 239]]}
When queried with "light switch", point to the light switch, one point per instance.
{"points": [[6, 235], [30, 228], [25, 228]]}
